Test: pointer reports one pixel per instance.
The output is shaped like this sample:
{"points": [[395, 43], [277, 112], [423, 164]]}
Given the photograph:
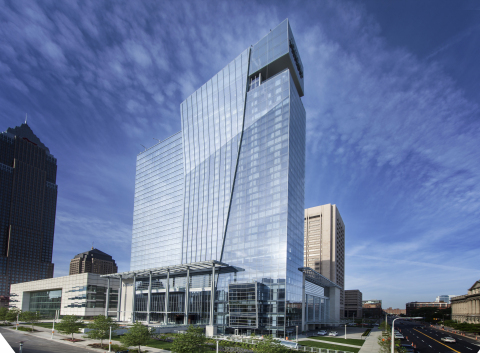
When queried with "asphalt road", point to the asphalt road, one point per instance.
{"points": [[34, 344], [428, 340]]}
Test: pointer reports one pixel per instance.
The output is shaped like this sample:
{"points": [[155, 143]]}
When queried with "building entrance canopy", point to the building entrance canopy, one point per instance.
{"points": [[316, 278], [177, 270]]}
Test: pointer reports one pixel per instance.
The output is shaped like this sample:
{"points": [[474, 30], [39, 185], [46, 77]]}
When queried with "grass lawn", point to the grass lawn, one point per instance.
{"points": [[329, 346], [153, 343], [49, 324], [353, 341]]}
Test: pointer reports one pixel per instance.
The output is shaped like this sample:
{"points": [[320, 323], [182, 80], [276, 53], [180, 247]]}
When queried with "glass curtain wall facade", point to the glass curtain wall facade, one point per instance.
{"points": [[242, 203], [158, 206]]}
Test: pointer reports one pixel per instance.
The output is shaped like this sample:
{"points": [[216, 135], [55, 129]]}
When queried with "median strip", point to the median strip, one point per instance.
{"points": [[437, 341]]}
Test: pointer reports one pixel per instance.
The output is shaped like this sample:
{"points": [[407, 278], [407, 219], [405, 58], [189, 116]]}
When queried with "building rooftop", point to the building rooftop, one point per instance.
{"points": [[24, 131], [95, 253]]}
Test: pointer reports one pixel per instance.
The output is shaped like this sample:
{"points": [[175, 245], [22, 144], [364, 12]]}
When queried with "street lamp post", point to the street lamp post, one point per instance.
{"points": [[110, 340], [393, 329], [296, 340], [345, 331]]}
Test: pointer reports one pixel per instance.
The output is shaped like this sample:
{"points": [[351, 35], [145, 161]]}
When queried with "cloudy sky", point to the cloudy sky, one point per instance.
{"points": [[392, 92]]}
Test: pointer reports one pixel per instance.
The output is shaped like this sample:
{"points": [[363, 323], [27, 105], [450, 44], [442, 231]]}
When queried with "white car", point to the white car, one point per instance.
{"points": [[399, 335], [448, 339], [333, 333], [322, 332]]}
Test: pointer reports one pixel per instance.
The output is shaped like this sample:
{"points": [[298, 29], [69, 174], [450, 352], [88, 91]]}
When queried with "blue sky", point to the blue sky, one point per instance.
{"points": [[391, 94]]}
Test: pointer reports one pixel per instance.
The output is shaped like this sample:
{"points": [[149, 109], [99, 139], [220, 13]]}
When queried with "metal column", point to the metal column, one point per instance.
{"points": [[167, 291], [212, 295], [107, 300], [187, 292], [119, 303], [134, 296], [303, 302], [149, 297]]}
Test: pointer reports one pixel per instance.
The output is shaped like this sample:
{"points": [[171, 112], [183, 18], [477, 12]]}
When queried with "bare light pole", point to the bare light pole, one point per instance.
{"points": [[110, 340], [296, 340], [393, 329]]}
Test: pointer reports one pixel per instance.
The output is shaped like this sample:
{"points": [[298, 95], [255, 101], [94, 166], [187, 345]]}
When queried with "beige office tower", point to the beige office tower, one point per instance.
{"points": [[324, 249]]}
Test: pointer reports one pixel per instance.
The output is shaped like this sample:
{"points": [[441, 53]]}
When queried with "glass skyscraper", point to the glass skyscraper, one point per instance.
{"points": [[28, 202], [230, 187]]}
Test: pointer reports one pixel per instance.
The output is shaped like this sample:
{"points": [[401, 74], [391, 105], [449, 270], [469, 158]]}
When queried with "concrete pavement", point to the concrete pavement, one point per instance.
{"points": [[329, 342], [371, 343], [46, 334]]}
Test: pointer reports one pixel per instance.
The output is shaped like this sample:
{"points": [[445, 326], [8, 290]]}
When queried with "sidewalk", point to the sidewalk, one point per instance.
{"points": [[329, 342], [371, 343], [46, 333]]}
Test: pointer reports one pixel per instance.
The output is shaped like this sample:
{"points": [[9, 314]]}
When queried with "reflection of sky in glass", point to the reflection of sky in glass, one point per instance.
{"points": [[54, 294], [157, 214], [212, 119]]}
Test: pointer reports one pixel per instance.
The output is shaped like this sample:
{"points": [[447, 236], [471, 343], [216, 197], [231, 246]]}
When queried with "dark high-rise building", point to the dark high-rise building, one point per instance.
{"points": [[28, 201], [93, 261]]}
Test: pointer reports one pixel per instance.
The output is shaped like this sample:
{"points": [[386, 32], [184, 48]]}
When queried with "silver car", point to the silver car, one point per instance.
{"points": [[333, 333], [448, 339]]}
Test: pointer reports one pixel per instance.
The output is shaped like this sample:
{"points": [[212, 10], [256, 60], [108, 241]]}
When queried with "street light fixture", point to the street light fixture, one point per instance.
{"points": [[393, 329]]}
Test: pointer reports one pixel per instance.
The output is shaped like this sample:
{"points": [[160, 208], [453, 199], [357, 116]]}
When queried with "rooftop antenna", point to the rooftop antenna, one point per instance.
{"points": [[143, 147], [26, 116]]}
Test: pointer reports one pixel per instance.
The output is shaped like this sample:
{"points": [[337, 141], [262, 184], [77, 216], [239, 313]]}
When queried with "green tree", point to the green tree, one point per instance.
{"points": [[137, 335], [11, 316], [270, 345], [385, 345], [32, 317], [193, 340], [3, 313], [100, 328], [381, 327], [69, 325]]}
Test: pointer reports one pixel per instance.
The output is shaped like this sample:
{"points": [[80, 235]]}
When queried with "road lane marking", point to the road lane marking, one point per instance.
{"points": [[468, 347], [443, 344], [430, 346]]}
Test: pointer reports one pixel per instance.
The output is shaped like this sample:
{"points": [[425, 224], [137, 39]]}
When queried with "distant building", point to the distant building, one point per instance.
{"points": [[444, 298], [324, 246], [85, 295], [466, 308], [28, 203], [93, 261], [372, 308], [417, 305], [353, 304], [397, 311]]}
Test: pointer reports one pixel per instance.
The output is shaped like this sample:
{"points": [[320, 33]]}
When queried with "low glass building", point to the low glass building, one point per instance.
{"points": [[84, 295]]}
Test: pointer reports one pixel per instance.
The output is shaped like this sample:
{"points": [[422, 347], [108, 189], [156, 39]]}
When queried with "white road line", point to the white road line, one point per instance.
{"points": [[423, 341], [430, 346], [469, 348]]}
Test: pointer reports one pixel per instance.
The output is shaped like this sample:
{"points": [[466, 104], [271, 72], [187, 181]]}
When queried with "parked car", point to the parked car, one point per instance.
{"points": [[399, 335], [333, 333], [322, 332], [448, 339], [351, 324], [408, 348]]}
